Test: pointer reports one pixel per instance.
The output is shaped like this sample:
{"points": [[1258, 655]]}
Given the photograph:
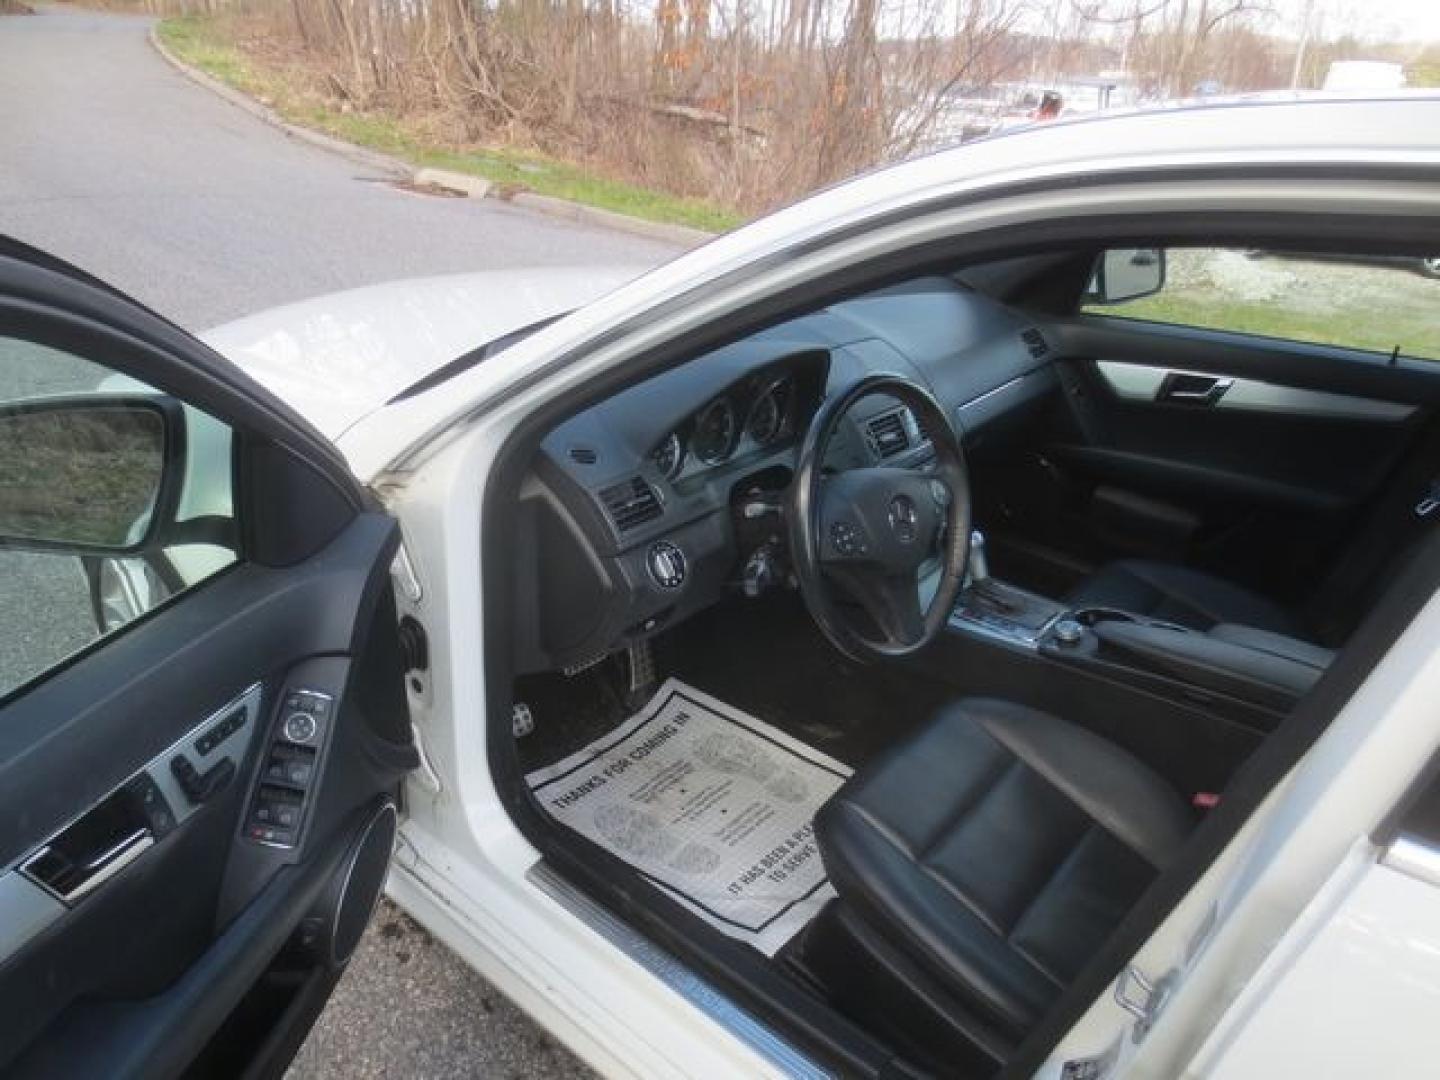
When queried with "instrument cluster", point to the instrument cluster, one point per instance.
{"points": [[756, 414]]}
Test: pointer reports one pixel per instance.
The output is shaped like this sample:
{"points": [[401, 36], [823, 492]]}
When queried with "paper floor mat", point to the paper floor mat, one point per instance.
{"points": [[713, 806]]}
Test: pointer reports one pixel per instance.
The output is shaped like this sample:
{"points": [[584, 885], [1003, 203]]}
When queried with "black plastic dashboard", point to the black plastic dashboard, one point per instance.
{"points": [[635, 515]]}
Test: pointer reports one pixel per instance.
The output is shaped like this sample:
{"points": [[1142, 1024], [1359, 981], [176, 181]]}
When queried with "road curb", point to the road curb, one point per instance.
{"points": [[471, 186], [372, 158], [474, 187], [682, 235]]}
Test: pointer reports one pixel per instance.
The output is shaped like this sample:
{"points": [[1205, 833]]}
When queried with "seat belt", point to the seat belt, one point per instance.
{"points": [[1405, 511]]}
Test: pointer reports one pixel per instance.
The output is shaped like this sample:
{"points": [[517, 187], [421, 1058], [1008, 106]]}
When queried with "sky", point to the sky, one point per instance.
{"points": [[1371, 20]]}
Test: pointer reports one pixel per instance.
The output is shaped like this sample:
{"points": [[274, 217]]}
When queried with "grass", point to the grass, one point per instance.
{"points": [[79, 477], [202, 43], [1374, 306]]}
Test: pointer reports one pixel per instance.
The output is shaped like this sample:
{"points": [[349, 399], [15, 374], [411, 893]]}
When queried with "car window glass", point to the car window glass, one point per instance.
{"points": [[87, 455], [1362, 302]]}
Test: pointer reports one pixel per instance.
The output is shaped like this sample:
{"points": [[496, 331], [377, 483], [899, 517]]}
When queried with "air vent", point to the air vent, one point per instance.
{"points": [[583, 455], [1035, 342], [631, 504], [887, 434]]}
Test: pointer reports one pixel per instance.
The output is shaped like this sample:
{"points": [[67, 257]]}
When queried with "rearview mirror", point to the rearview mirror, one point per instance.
{"points": [[1126, 274], [88, 472]]}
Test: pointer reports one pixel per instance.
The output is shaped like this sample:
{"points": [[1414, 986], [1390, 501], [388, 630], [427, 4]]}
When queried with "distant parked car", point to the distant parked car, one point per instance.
{"points": [[1347, 76]]}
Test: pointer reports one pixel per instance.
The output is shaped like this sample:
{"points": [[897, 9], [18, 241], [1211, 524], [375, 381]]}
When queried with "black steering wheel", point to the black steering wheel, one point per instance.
{"points": [[870, 532]]}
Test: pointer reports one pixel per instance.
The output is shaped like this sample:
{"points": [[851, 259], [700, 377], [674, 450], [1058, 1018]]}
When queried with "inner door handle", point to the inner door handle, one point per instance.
{"points": [[1183, 388], [71, 879]]}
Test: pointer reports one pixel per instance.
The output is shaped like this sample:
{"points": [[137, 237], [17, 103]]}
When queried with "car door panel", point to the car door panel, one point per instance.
{"points": [[165, 918], [1250, 458], [105, 945]]}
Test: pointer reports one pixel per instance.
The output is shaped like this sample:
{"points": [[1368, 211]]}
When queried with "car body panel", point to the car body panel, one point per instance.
{"points": [[339, 357], [1356, 993]]}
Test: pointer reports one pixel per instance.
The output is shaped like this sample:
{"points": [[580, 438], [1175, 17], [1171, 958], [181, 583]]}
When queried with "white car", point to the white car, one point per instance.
{"points": [[972, 621]]}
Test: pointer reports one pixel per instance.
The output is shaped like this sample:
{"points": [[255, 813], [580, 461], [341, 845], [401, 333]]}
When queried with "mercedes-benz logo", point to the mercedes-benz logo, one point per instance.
{"points": [[904, 518]]}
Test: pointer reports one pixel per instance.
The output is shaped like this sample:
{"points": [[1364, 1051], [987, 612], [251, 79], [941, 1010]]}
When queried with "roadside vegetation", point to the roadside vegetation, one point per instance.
{"points": [[1376, 305], [214, 45], [706, 112]]}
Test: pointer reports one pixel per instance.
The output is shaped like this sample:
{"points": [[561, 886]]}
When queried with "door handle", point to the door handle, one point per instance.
{"points": [[1183, 388], [107, 864], [70, 879]]}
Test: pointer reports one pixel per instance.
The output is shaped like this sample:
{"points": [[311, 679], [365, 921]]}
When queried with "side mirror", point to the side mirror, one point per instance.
{"points": [[1126, 274], [94, 473]]}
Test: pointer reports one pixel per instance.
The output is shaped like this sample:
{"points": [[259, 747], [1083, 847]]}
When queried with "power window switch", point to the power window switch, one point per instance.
{"points": [[298, 772]]}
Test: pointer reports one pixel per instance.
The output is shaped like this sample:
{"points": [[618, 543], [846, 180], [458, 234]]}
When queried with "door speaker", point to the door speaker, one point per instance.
{"points": [[350, 898]]}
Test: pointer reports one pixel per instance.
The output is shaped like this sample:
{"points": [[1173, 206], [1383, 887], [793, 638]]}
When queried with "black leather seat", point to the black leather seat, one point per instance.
{"points": [[997, 849], [1182, 596]]}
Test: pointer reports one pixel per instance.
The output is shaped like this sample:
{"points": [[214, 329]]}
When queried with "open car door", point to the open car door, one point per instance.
{"points": [[203, 722]]}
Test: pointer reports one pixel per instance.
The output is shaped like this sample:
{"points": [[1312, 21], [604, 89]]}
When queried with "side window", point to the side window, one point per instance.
{"points": [[113, 498], [1376, 303]]}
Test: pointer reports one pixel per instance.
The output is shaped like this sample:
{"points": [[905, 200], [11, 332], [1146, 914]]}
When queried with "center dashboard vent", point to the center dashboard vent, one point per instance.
{"points": [[887, 434], [1035, 341], [631, 504]]}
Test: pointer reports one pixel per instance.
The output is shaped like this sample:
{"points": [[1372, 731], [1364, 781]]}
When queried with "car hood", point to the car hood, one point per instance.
{"points": [[337, 358]]}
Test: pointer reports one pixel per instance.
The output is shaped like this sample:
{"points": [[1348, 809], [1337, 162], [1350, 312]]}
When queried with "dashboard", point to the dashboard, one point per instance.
{"points": [[659, 501]]}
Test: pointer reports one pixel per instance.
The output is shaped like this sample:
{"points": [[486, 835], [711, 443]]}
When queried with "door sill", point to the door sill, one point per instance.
{"points": [[740, 1025]]}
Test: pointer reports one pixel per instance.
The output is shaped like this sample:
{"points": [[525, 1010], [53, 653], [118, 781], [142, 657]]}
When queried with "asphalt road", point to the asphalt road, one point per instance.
{"points": [[115, 162]]}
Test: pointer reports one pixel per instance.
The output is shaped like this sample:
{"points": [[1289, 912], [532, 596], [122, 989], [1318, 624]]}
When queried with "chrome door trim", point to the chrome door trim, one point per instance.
{"points": [[1142, 382], [1414, 858]]}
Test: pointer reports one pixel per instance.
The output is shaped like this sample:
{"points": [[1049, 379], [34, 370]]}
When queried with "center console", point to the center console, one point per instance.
{"points": [[1243, 674]]}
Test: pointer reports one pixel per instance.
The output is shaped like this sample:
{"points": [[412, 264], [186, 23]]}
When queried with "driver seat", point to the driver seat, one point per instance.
{"points": [[994, 852]]}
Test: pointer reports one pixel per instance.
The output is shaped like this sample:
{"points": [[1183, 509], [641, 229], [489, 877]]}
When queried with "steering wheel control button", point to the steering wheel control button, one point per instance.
{"points": [[846, 539], [300, 727], [666, 564], [904, 519]]}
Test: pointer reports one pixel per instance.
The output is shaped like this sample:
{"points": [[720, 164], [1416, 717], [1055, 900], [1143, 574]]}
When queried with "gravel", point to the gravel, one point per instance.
{"points": [[410, 1007], [116, 162]]}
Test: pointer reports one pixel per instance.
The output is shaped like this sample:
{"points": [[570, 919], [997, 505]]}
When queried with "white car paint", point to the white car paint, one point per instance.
{"points": [[338, 358], [1357, 994], [466, 872]]}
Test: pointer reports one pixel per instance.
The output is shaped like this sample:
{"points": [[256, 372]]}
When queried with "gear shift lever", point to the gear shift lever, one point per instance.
{"points": [[978, 569]]}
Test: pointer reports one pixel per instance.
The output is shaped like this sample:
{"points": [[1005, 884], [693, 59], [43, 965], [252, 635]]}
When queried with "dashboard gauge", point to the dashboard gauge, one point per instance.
{"points": [[715, 433], [767, 416], [669, 456]]}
